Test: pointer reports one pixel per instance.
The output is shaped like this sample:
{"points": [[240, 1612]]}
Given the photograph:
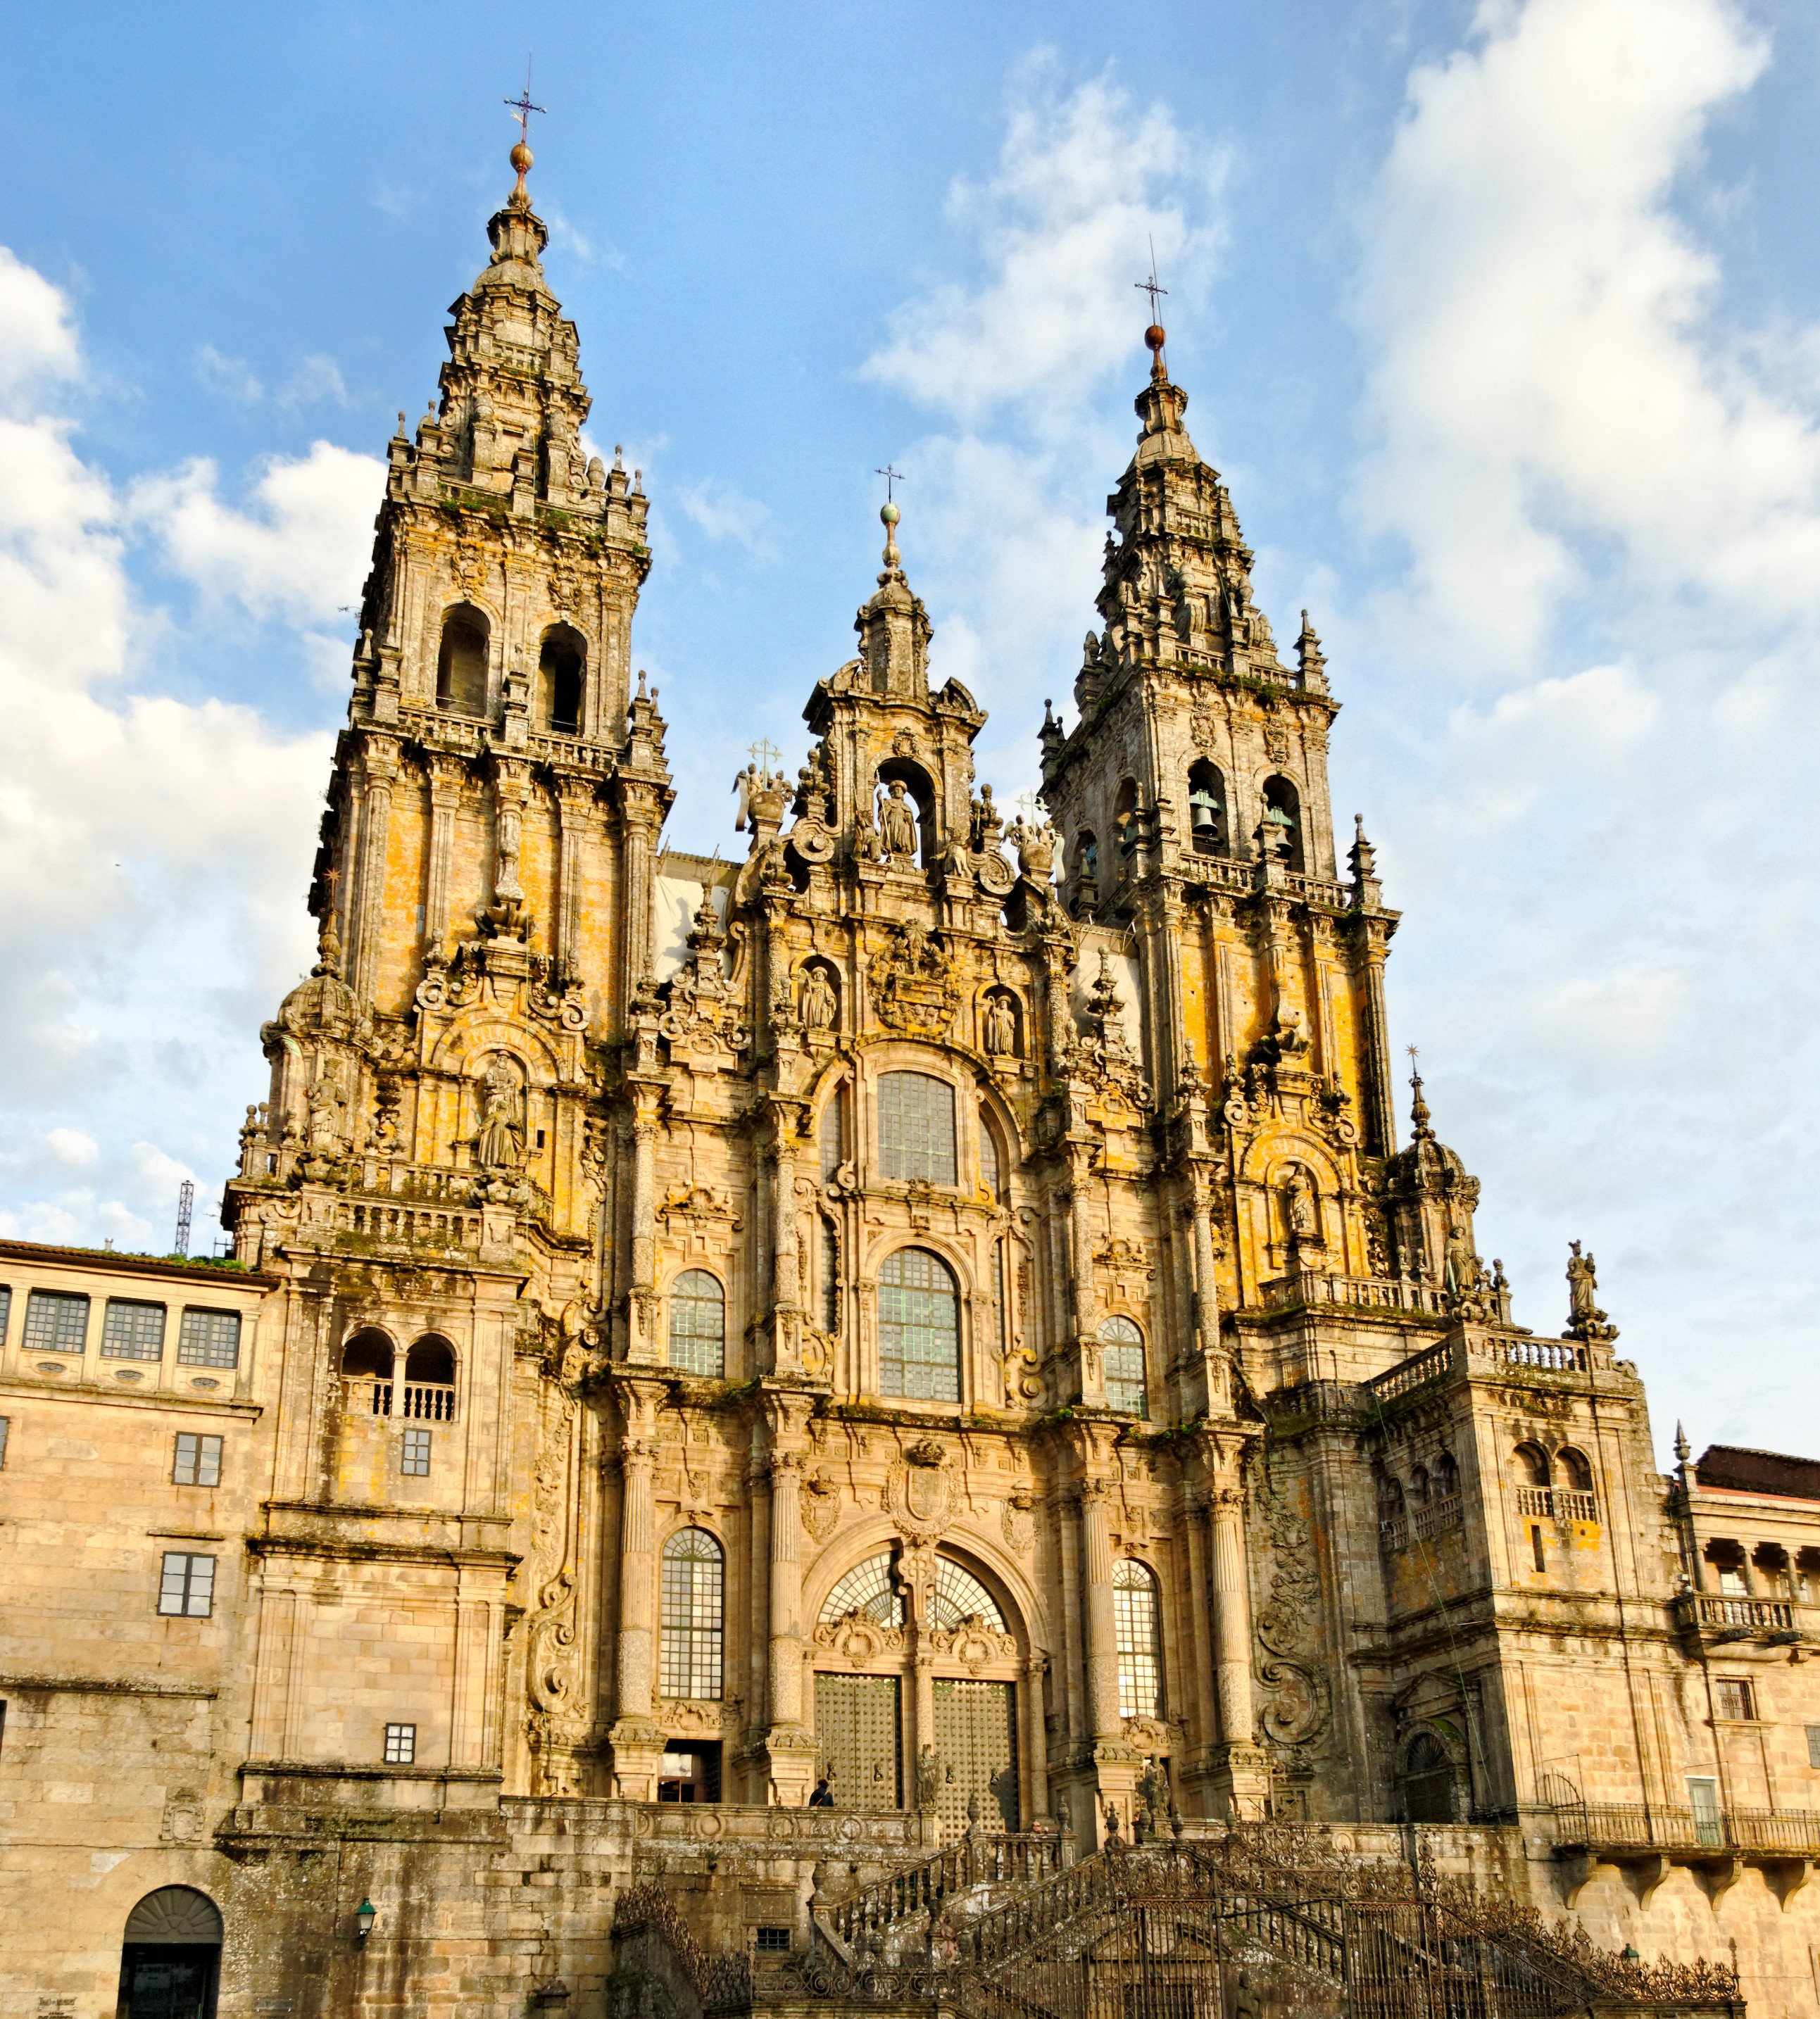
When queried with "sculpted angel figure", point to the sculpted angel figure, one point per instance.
{"points": [[500, 1142], [898, 824]]}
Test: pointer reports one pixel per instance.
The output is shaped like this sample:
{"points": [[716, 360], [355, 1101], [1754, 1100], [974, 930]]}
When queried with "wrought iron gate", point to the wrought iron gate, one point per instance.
{"points": [[857, 1740], [976, 1742]]}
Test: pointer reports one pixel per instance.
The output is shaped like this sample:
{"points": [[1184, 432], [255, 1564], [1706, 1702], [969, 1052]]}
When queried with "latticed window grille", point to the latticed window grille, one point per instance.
{"points": [[414, 1455], [208, 1338], [698, 1324], [400, 1745], [6, 1311], [830, 1279], [918, 1328], [959, 1595], [132, 1331], [197, 1461], [1139, 1638], [56, 1321], [916, 1127], [1121, 1352], [694, 1582], [868, 1590], [991, 1177], [832, 1141]]}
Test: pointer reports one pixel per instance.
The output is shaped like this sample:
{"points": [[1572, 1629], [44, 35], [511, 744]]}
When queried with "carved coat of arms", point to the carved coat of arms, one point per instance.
{"points": [[913, 984]]}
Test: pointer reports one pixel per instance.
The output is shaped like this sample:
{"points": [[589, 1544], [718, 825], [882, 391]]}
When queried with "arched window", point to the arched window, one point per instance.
{"points": [[560, 664], [1125, 816], [1139, 1634], [868, 1588], [918, 1327], [1532, 1463], [1206, 809], [429, 1373], [1419, 1484], [1086, 860], [991, 1170], [916, 1127], [1283, 811], [698, 1324], [830, 1279], [1122, 1354], [1446, 1476], [959, 1597], [460, 664], [1427, 1779], [1576, 1473], [694, 1578], [367, 1362]]}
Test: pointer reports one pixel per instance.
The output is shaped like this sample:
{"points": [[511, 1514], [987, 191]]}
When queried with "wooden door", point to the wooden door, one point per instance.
{"points": [[857, 1740], [975, 1747]]}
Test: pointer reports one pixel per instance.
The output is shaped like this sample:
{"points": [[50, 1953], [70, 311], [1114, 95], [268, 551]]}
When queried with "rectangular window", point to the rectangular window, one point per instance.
{"points": [[916, 1127], [208, 1338], [400, 1745], [198, 1460], [187, 1588], [1535, 1548], [414, 1457], [132, 1331], [1814, 1745], [55, 1322], [6, 1311], [771, 1942], [5, 1425], [1733, 1698]]}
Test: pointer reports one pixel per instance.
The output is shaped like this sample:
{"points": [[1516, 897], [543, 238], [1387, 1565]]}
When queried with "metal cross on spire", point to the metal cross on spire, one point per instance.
{"points": [[522, 108], [891, 476], [763, 756], [1151, 286]]}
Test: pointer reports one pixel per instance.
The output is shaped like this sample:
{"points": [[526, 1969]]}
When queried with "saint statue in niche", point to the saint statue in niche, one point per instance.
{"points": [[500, 1144], [1299, 1204], [898, 824], [325, 1107], [999, 1034], [817, 1001]]}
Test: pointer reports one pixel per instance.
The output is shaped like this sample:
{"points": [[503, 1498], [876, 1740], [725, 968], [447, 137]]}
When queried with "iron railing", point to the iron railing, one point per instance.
{"points": [[1622, 1826]]}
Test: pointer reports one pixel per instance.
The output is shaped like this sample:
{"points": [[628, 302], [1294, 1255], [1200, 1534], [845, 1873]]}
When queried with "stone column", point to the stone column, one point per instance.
{"points": [[445, 795], [1191, 1509], [1231, 1617], [379, 763], [786, 1282], [791, 1750], [1380, 1107], [640, 827], [642, 1344], [1035, 1742], [1102, 1648], [1206, 1283], [575, 812], [637, 1743]]}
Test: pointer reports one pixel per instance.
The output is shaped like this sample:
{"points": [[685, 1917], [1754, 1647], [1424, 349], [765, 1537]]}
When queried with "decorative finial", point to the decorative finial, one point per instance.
{"points": [[328, 943], [1155, 337], [521, 157], [888, 515], [1418, 1107], [1683, 1451]]}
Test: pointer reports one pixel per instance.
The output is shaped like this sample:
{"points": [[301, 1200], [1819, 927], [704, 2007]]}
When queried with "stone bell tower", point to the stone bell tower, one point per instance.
{"points": [[434, 1171]]}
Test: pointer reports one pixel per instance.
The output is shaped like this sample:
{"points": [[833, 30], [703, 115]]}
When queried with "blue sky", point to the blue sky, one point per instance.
{"points": [[1500, 321]]}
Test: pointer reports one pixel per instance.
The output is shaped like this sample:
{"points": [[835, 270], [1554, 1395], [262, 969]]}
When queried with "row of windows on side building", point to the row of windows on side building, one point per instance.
{"points": [[132, 1329]]}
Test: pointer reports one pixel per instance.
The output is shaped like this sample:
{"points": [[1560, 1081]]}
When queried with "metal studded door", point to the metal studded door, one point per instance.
{"points": [[976, 1746], [856, 1740]]}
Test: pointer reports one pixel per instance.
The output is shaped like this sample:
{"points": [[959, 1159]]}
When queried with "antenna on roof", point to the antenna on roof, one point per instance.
{"points": [[186, 1199]]}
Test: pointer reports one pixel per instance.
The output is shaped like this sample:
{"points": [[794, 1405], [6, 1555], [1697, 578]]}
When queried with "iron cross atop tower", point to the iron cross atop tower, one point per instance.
{"points": [[521, 109]]}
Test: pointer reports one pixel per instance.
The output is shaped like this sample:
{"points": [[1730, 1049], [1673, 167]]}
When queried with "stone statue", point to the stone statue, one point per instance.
{"points": [[1153, 1792], [505, 876], [1299, 1200], [998, 1033], [1036, 847], [898, 824], [1584, 1319], [865, 836], [818, 1002], [1246, 2004], [500, 1144], [325, 1112], [985, 824], [928, 1777]]}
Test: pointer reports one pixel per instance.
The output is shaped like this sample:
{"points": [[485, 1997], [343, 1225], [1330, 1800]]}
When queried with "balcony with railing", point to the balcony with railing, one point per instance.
{"points": [[1618, 1829], [1558, 1504], [1723, 1616], [422, 1402]]}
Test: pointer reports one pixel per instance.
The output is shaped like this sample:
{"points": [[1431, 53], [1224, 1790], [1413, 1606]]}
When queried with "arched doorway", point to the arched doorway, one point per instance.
{"points": [[170, 1958], [917, 1683]]}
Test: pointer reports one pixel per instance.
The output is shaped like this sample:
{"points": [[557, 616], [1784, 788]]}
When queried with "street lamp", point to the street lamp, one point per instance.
{"points": [[365, 1914]]}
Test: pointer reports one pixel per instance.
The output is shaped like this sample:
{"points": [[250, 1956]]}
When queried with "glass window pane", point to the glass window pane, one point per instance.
{"points": [[916, 1127], [698, 1324], [918, 1328], [1121, 1355], [132, 1331], [6, 1311], [400, 1745], [960, 1596], [414, 1458], [689, 1649], [830, 1280], [867, 1589], [208, 1338], [56, 1322], [1134, 1620], [988, 1158], [832, 1142]]}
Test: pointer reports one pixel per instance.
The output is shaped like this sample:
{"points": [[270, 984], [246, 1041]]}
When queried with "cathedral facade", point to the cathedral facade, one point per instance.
{"points": [[933, 1327]]}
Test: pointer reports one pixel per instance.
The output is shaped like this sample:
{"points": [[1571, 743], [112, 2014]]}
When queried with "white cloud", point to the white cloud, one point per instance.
{"points": [[229, 377], [152, 851], [300, 548], [38, 331], [722, 512], [315, 378], [1548, 369]]}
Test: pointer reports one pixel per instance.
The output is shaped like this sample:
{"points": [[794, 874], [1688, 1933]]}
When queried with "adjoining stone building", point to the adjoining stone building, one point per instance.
{"points": [[881, 1320]]}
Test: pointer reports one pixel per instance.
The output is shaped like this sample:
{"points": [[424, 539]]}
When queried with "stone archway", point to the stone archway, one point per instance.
{"points": [[170, 1956]]}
